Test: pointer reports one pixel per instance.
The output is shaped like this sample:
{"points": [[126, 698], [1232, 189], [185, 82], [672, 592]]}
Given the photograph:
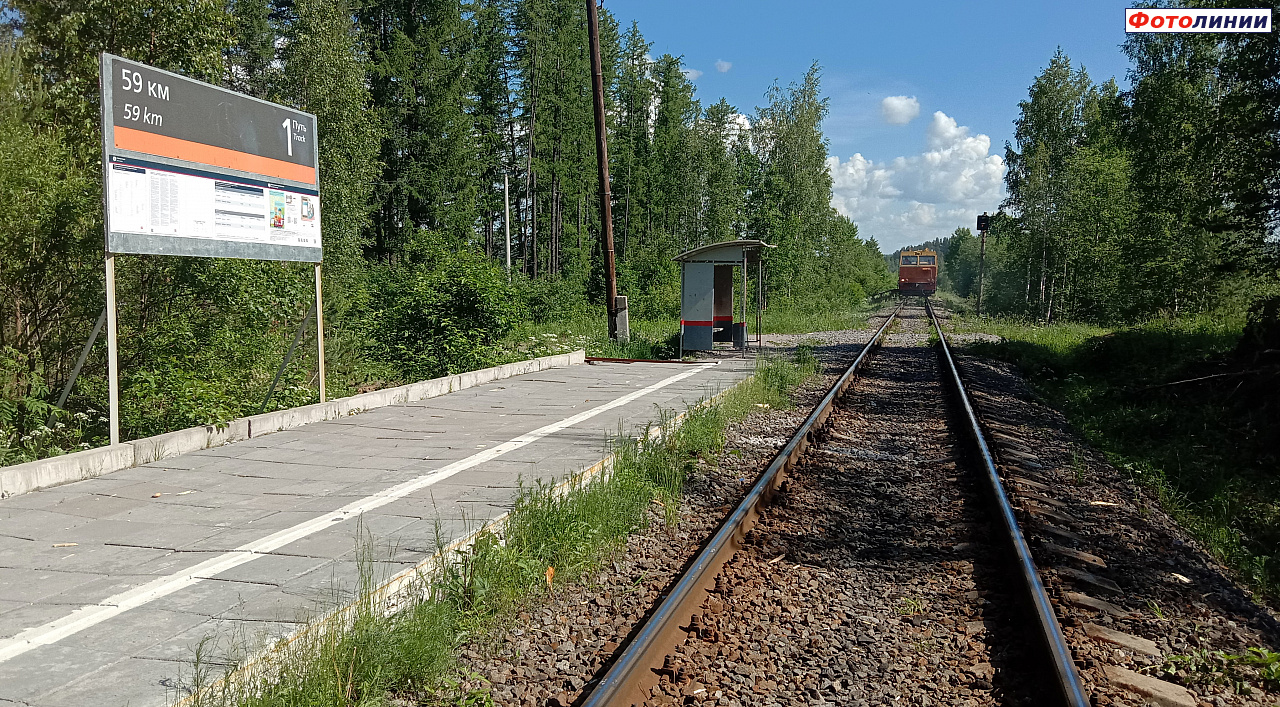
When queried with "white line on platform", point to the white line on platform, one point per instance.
{"points": [[93, 614]]}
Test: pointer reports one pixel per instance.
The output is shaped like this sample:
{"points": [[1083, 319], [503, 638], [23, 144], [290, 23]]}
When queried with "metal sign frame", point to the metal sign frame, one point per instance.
{"points": [[224, 150]]}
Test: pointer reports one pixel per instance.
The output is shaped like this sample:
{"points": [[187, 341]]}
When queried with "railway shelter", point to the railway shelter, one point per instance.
{"points": [[706, 293]]}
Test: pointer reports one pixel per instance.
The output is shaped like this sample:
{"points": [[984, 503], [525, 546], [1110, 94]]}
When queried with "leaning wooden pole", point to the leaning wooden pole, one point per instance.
{"points": [[602, 160]]}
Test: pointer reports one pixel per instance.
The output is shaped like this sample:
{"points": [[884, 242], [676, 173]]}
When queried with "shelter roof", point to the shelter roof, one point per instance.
{"points": [[724, 252]]}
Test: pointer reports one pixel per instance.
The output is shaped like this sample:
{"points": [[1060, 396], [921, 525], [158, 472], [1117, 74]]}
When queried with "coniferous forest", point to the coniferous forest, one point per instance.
{"points": [[423, 109]]}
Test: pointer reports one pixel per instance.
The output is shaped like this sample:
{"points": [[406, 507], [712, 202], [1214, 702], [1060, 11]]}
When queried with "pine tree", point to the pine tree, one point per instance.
{"points": [[323, 74], [491, 114], [251, 58], [629, 150], [422, 90]]}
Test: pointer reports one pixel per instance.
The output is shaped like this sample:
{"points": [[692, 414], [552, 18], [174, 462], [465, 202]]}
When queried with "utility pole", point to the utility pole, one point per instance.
{"points": [[506, 221], [602, 160], [984, 223]]}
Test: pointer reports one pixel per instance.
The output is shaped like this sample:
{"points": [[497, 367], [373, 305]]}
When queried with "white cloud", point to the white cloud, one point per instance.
{"points": [[913, 199], [899, 110], [691, 74], [722, 66]]}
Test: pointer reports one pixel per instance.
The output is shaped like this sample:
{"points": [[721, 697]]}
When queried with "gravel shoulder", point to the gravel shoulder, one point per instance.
{"points": [[1095, 535]]}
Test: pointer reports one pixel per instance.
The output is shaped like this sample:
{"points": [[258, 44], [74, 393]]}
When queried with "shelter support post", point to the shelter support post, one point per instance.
{"points": [[745, 335], [113, 361], [759, 305], [320, 333], [681, 336]]}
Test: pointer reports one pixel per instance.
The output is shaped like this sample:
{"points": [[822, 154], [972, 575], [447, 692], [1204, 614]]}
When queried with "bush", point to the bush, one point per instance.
{"points": [[442, 315], [24, 415], [553, 299]]}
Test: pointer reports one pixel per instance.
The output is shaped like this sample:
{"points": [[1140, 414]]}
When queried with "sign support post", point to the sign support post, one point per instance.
{"points": [[113, 360], [320, 332]]}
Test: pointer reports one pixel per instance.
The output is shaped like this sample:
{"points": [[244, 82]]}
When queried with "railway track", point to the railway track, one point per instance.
{"points": [[876, 559], [872, 564]]}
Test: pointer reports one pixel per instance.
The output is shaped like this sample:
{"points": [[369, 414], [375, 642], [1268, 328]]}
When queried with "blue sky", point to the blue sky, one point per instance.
{"points": [[971, 61]]}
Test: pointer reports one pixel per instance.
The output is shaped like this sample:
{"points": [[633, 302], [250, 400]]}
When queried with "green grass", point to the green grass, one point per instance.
{"points": [[376, 657], [659, 339], [789, 320], [649, 339], [1207, 449]]}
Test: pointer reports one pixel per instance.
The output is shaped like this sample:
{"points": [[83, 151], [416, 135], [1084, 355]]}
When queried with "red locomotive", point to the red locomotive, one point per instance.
{"points": [[918, 272]]}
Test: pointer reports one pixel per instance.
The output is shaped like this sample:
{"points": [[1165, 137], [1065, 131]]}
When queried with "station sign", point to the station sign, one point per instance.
{"points": [[193, 169]]}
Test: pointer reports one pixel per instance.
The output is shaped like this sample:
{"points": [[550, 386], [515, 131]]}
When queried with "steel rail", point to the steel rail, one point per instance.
{"points": [[630, 675], [1071, 690]]}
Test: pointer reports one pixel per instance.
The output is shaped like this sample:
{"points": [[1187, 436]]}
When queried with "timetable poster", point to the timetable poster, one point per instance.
{"points": [[161, 202]]}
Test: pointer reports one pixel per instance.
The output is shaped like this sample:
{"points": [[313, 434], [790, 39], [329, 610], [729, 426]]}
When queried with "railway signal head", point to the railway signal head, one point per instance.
{"points": [[984, 221]]}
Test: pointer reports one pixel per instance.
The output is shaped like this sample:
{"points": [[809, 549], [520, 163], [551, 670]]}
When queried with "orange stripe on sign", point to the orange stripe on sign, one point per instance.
{"points": [[174, 148]]}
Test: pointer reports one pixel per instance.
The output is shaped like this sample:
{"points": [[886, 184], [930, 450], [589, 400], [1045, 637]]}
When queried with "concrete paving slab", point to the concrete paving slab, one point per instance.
{"points": [[93, 559], [279, 606], [186, 462], [97, 588], [221, 642], [28, 585], [230, 451], [92, 506], [381, 463], [193, 515], [225, 540], [271, 569], [221, 499], [325, 499], [170, 536], [243, 481], [344, 538], [336, 583], [126, 682], [138, 631], [210, 599], [28, 678], [43, 501], [34, 555], [309, 488], [280, 520], [291, 472], [25, 616], [168, 485]]}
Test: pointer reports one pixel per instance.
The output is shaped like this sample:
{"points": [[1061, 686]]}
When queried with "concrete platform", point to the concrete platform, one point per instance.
{"points": [[106, 588]]}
